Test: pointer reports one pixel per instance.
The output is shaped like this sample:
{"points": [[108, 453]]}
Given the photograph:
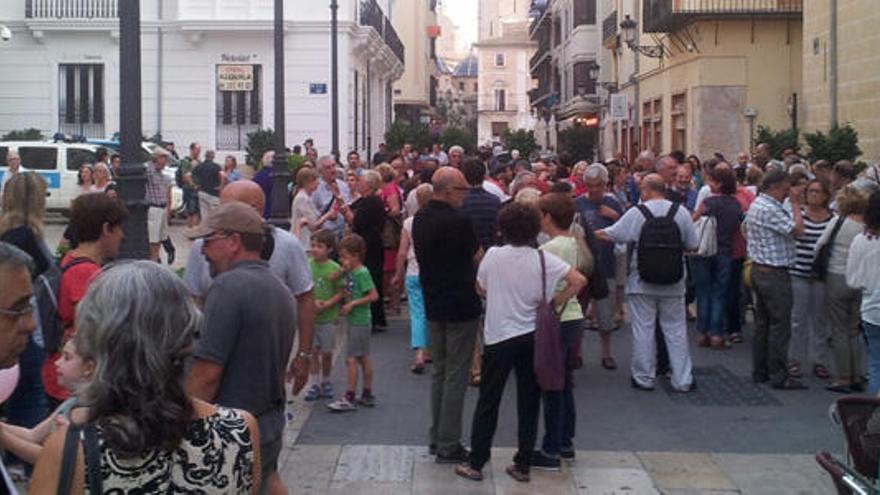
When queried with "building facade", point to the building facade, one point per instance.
{"points": [[503, 52], [567, 35], [207, 70], [851, 84], [415, 93], [699, 75]]}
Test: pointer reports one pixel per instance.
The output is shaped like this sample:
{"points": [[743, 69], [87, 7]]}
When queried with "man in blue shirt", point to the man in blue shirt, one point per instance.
{"points": [[480, 205]]}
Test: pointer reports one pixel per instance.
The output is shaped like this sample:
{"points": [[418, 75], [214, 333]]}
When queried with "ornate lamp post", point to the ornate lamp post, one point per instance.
{"points": [[628, 26], [280, 206], [132, 175]]}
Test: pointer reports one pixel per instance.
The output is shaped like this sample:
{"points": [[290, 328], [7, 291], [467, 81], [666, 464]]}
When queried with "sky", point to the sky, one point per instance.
{"points": [[463, 13]]}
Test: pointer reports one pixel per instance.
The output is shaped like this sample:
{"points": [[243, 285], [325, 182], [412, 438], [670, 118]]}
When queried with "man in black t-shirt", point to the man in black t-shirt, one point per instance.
{"points": [[207, 176]]}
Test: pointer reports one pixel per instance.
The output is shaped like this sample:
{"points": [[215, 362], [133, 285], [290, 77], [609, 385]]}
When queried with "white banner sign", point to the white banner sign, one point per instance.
{"points": [[619, 107], [235, 77]]}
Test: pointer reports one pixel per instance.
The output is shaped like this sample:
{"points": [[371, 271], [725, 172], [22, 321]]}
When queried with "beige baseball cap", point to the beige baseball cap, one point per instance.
{"points": [[228, 217]]}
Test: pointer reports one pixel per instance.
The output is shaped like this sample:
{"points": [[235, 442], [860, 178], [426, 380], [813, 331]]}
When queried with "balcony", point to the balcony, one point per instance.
{"points": [[663, 16], [71, 9], [609, 27], [371, 15]]}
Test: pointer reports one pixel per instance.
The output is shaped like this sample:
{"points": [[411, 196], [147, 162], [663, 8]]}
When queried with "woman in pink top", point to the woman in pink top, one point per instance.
{"points": [[391, 197]]}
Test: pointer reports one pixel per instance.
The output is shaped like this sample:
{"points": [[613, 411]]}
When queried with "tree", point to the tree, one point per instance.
{"points": [[521, 140], [402, 132], [841, 143], [778, 141], [577, 141], [258, 143], [460, 136], [29, 134]]}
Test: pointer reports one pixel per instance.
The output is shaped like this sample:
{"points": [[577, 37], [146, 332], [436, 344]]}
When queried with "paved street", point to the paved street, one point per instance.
{"points": [[729, 436]]}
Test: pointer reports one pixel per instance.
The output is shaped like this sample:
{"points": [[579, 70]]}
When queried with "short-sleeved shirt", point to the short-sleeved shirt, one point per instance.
{"points": [[629, 228], [565, 248], [207, 176], [249, 330], [513, 295], [288, 263], [768, 231], [303, 208], [728, 216], [325, 288], [445, 245], [157, 186], [322, 197], [592, 220], [358, 284], [805, 244], [482, 208]]}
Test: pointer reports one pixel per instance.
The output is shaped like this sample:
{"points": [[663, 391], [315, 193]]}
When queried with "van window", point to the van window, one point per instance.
{"points": [[3, 151], [76, 157], [38, 157]]}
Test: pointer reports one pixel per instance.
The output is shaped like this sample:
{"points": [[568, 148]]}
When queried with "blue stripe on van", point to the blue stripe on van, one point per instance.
{"points": [[53, 179]]}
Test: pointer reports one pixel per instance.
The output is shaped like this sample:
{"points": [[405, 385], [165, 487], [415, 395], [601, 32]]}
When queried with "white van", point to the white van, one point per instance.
{"points": [[59, 163]]}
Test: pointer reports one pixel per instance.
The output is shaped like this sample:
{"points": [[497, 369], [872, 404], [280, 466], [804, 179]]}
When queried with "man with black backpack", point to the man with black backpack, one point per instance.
{"points": [[661, 231]]}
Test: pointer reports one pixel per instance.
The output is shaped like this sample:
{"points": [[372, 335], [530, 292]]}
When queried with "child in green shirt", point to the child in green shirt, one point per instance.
{"points": [[328, 296], [359, 292]]}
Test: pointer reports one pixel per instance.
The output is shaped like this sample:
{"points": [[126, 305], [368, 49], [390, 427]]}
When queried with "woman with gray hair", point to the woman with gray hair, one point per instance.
{"points": [[142, 431]]}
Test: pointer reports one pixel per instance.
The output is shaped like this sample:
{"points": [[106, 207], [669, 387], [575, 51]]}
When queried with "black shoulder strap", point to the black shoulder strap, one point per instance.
{"points": [[645, 211], [93, 460], [673, 210], [543, 276], [836, 228], [76, 261], [68, 459]]}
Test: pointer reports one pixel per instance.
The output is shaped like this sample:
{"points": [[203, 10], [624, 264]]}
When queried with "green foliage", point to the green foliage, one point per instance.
{"points": [[841, 143], [29, 134], [259, 142], [464, 137], [778, 141], [578, 142], [402, 132], [294, 162], [520, 139]]}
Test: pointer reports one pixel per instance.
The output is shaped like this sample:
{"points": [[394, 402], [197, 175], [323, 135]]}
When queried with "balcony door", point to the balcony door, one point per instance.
{"points": [[239, 104], [81, 99]]}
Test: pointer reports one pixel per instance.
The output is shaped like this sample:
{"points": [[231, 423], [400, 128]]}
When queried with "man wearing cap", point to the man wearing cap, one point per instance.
{"points": [[158, 199], [241, 356]]}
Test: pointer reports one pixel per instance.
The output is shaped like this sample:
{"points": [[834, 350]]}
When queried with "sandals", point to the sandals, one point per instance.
{"points": [[794, 370], [718, 343], [467, 472], [609, 363], [736, 338], [821, 372], [417, 368], [517, 474]]}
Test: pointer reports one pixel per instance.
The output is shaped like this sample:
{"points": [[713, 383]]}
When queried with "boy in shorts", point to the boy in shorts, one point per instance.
{"points": [[359, 294], [328, 296]]}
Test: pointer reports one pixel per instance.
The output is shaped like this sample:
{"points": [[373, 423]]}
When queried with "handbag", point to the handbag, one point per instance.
{"points": [[823, 255], [89, 436], [707, 230], [549, 362], [391, 232]]}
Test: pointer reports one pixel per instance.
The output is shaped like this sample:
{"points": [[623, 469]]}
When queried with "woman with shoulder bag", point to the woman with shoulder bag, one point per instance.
{"points": [[142, 432], [712, 272], [863, 273]]}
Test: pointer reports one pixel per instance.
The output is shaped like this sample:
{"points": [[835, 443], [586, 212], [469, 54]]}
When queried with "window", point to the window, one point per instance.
{"points": [[498, 129], [76, 157], [239, 111], [499, 60], [500, 100], [476, 86], [461, 86], [584, 12], [652, 125], [679, 122], [39, 157], [81, 99], [582, 82]]}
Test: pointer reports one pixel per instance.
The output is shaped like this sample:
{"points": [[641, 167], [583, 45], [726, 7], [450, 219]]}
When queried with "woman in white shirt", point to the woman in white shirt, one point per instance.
{"points": [[510, 278], [863, 273], [305, 218]]}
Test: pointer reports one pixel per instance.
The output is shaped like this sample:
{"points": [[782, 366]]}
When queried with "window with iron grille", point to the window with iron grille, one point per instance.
{"points": [[81, 99]]}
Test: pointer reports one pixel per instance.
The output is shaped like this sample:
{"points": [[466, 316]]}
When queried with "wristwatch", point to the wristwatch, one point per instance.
{"points": [[306, 354]]}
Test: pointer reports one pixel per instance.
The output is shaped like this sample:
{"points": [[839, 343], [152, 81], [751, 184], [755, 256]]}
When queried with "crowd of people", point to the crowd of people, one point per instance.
{"points": [[136, 377]]}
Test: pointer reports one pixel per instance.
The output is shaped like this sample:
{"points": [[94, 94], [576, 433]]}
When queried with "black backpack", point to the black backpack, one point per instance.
{"points": [[46, 291], [660, 251]]}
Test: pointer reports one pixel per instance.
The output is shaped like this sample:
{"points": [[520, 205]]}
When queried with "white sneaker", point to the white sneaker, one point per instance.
{"points": [[341, 405]]}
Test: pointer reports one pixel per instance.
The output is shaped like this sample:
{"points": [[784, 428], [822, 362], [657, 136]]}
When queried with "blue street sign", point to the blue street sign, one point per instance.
{"points": [[317, 89]]}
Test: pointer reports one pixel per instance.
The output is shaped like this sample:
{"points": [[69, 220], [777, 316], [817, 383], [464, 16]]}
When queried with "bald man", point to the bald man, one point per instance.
{"points": [[287, 261], [649, 302], [446, 245]]}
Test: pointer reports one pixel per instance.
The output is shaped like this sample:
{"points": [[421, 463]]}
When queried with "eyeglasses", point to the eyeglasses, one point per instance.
{"points": [[215, 236], [17, 314]]}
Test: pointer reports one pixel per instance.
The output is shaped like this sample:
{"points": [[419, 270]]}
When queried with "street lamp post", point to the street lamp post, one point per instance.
{"points": [[628, 26], [334, 76], [132, 175], [280, 205]]}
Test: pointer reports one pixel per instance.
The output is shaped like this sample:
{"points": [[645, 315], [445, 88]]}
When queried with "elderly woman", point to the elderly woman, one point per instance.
{"points": [[512, 300], [141, 432], [366, 216], [863, 273], [842, 301]]}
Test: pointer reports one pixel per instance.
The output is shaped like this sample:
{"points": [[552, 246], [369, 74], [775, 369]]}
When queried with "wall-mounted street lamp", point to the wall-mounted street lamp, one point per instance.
{"points": [[594, 75], [628, 26]]}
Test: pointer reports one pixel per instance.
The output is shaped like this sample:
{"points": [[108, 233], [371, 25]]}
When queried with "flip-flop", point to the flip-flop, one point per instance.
{"points": [[417, 368], [821, 372], [517, 474], [467, 472]]}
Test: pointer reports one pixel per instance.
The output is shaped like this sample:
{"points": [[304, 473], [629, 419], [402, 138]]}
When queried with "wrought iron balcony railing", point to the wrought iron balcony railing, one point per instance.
{"points": [[71, 9], [371, 15], [609, 26], [662, 16]]}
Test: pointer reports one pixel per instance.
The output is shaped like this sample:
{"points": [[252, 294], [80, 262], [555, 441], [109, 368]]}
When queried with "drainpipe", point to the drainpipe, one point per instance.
{"points": [[159, 60], [832, 62], [637, 104]]}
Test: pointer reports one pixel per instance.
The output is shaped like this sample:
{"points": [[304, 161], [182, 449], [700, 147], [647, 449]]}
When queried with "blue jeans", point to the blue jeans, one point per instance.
{"points": [[711, 277], [733, 298], [559, 410], [872, 337]]}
